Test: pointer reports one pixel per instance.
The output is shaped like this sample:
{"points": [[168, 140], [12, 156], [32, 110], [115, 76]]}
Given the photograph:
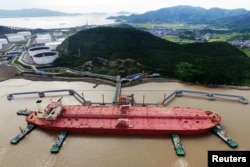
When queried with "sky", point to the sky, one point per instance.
{"points": [[113, 6]]}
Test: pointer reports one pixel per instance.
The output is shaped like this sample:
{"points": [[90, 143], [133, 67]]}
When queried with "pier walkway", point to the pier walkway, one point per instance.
{"points": [[117, 89], [209, 96], [42, 94]]}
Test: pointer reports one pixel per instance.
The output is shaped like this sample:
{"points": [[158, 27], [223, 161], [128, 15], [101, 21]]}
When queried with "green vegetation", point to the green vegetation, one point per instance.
{"points": [[237, 18], [246, 51], [207, 63], [16, 61]]}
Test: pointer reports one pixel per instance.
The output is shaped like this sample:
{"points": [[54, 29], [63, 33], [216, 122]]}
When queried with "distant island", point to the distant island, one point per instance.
{"points": [[34, 12]]}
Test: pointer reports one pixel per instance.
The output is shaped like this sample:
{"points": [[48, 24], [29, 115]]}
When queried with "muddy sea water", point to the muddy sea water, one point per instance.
{"points": [[112, 150]]}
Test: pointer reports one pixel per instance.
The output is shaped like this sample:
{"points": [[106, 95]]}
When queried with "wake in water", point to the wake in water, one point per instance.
{"points": [[181, 162], [50, 162], [3, 151]]}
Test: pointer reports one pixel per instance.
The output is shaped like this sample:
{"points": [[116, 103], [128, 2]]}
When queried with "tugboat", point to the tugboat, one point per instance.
{"points": [[221, 134], [22, 134], [24, 112], [59, 141], [177, 145]]}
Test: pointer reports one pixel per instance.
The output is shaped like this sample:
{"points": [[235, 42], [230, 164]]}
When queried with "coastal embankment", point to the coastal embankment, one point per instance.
{"points": [[7, 72]]}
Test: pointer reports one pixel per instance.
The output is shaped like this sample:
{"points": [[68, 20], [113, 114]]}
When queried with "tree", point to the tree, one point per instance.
{"points": [[188, 72]]}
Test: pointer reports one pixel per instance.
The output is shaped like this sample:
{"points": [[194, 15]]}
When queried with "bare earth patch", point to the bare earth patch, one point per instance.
{"points": [[7, 72]]}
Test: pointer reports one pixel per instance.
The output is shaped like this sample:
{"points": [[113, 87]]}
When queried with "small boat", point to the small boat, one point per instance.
{"points": [[59, 141], [177, 144], [22, 134], [221, 134], [24, 112]]}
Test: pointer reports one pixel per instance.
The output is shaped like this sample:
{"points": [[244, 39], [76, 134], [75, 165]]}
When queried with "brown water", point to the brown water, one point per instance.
{"points": [[111, 150]]}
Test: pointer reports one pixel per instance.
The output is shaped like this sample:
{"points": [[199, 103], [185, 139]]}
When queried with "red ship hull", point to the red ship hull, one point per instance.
{"points": [[146, 120]]}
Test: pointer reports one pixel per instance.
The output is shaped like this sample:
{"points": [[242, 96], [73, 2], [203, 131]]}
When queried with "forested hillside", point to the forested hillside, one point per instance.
{"points": [[210, 63]]}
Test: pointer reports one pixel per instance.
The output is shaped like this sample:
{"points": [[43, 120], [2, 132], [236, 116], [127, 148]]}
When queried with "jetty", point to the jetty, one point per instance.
{"points": [[43, 93], [117, 89], [207, 95]]}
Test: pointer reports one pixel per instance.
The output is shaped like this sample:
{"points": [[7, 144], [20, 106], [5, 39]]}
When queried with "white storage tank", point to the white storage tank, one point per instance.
{"points": [[24, 33], [36, 50], [11, 34], [45, 57], [16, 38], [3, 41], [42, 38], [42, 35], [61, 39], [57, 33], [53, 45]]}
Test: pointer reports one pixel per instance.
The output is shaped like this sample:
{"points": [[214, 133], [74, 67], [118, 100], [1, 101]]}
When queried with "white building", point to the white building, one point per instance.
{"points": [[1, 46]]}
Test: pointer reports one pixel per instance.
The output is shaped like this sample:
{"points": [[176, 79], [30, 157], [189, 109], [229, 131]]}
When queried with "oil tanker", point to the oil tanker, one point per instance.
{"points": [[123, 119]]}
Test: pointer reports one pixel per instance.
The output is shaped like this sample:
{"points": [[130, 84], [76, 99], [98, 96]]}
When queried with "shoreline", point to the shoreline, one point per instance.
{"points": [[99, 81], [96, 81], [8, 72]]}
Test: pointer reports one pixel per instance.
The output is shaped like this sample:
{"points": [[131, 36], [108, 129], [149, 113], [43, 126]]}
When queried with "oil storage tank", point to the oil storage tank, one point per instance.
{"points": [[45, 57], [39, 49], [53, 45], [43, 38], [16, 38], [3, 41]]}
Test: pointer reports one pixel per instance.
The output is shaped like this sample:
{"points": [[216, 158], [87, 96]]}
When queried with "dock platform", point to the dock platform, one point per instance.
{"points": [[42, 94]]}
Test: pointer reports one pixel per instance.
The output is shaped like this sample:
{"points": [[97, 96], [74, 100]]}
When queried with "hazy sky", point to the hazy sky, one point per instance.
{"points": [[111, 6]]}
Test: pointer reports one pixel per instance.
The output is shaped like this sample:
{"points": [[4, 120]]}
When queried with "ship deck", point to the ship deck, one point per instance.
{"points": [[139, 119]]}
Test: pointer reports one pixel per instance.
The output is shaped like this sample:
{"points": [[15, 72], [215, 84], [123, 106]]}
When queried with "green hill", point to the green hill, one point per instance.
{"points": [[234, 18], [125, 50]]}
